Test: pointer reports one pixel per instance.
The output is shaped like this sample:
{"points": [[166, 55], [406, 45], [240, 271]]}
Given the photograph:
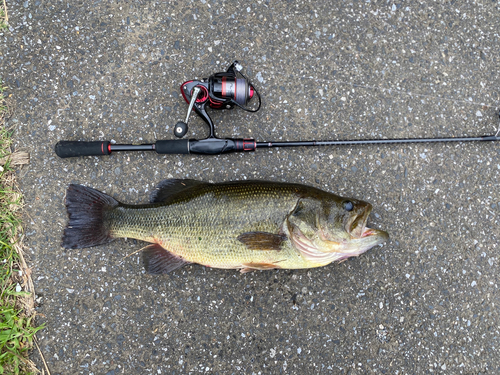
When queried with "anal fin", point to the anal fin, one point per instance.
{"points": [[157, 260], [262, 240], [249, 267]]}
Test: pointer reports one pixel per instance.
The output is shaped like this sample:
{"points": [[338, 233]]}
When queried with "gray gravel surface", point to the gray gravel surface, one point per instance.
{"points": [[425, 302]]}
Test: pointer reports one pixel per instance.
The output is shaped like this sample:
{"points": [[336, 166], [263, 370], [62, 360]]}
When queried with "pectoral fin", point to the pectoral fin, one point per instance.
{"points": [[157, 260], [262, 240]]}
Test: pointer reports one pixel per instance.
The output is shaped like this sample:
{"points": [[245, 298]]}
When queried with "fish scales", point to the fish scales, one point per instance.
{"points": [[202, 227]]}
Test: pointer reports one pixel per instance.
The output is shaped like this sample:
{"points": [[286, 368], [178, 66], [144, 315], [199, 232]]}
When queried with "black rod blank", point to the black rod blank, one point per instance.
{"points": [[375, 141]]}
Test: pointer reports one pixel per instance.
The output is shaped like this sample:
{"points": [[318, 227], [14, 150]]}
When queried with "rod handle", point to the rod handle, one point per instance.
{"points": [[217, 146], [68, 149], [176, 146], [207, 146]]}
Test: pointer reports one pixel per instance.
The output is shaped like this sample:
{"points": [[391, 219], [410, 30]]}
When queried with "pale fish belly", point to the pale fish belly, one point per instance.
{"points": [[234, 255]]}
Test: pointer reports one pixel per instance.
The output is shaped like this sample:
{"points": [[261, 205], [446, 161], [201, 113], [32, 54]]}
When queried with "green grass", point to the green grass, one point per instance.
{"points": [[4, 20], [17, 328]]}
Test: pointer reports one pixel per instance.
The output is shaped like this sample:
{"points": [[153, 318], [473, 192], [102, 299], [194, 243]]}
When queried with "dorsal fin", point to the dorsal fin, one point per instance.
{"points": [[169, 188]]}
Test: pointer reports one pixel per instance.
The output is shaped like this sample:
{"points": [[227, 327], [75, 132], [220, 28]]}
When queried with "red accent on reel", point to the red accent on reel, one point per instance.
{"points": [[215, 104], [203, 95], [223, 86]]}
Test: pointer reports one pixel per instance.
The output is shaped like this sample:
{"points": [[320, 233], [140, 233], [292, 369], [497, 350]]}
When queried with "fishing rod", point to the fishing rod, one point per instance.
{"points": [[224, 90]]}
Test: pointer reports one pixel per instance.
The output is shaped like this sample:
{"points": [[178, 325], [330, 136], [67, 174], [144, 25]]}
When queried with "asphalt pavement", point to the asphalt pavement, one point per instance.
{"points": [[425, 302]]}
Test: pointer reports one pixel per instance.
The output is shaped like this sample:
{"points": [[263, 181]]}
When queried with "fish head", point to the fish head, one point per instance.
{"points": [[332, 229]]}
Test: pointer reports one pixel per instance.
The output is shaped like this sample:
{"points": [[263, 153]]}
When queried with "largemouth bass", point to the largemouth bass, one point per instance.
{"points": [[246, 225]]}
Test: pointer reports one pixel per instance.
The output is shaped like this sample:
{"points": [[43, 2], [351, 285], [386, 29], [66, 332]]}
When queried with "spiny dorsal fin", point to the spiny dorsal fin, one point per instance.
{"points": [[157, 260], [262, 240], [169, 188]]}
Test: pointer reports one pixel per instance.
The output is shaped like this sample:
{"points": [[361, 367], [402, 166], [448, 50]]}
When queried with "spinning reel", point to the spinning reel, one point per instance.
{"points": [[223, 90]]}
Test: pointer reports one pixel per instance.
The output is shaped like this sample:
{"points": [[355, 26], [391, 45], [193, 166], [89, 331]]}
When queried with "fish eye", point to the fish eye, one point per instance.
{"points": [[348, 205]]}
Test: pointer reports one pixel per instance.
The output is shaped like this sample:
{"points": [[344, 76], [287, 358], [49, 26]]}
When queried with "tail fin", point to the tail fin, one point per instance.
{"points": [[86, 208]]}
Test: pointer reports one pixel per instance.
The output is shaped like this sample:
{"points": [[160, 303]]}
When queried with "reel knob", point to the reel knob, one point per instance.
{"points": [[180, 129]]}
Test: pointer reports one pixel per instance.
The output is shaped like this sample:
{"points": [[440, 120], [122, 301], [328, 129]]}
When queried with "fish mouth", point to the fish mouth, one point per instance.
{"points": [[356, 226], [372, 237], [363, 237]]}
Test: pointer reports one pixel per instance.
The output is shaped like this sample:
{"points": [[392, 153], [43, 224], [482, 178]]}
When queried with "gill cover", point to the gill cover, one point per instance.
{"points": [[325, 231], [304, 227]]}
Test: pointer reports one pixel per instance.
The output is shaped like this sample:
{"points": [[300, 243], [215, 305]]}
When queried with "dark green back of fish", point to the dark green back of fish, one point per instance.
{"points": [[233, 204]]}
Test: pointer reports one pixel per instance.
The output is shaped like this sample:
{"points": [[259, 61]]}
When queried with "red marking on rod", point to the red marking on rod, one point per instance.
{"points": [[249, 145]]}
